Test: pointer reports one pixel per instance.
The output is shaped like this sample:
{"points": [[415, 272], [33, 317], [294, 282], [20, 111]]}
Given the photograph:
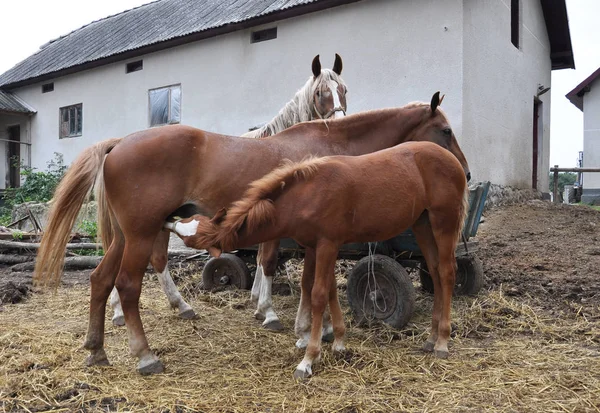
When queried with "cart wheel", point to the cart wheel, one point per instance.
{"points": [[228, 269], [469, 276], [380, 288]]}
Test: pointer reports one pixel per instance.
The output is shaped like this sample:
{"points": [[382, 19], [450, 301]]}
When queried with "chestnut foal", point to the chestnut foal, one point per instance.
{"points": [[324, 203]]}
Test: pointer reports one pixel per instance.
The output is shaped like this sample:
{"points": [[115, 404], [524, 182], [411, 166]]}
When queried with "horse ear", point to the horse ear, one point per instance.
{"points": [[441, 100], [337, 65], [435, 101], [316, 66], [219, 216]]}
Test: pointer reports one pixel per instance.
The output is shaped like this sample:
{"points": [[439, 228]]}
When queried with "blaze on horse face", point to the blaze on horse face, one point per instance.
{"points": [[329, 94]]}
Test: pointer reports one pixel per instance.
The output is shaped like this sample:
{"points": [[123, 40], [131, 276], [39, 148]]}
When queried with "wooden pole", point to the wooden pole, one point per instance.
{"points": [[555, 184]]}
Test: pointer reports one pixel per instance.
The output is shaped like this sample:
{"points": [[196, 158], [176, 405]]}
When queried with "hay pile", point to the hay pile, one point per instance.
{"points": [[506, 356]]}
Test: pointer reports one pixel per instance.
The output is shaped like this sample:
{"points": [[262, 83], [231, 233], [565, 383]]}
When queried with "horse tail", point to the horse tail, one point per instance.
{"points": [[256, 206], [105, 228], [69, 196]]}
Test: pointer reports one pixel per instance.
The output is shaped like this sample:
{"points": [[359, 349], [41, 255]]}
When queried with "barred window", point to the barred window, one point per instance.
{"points": [[71, 121]]}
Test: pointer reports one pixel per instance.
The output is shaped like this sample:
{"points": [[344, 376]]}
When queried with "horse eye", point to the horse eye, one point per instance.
{"points": [[345, 90], [318, 93], [447, 131]]}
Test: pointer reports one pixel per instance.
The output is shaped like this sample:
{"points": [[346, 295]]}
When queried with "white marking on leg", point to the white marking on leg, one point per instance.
{"points": [[338, 345], [302, 327], [171, 291], [184, 229], [115, 303], [265, 300], [305, 366], [258, 277]]}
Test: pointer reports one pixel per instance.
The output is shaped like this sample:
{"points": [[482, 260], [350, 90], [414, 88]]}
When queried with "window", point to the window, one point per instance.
{"points": [[262, 35], [165, 105], [515, 22], [71, 121], [48, 87], [134, 66]]}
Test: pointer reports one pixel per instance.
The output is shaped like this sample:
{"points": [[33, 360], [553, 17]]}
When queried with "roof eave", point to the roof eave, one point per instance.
{"points": [[559, 34], [575, 96], [177, 41]]}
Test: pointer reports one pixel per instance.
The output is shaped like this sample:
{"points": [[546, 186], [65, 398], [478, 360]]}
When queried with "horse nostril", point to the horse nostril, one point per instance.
{"points": [[468, 176]]}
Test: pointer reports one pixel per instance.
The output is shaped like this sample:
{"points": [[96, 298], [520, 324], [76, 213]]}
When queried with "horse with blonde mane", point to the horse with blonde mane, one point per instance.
{"points": [[327, 202], [322, 97], [144, 184]]}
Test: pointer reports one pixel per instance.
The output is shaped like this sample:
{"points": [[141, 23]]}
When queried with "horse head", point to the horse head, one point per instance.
{"points": [[435, 127], [328, 89]]}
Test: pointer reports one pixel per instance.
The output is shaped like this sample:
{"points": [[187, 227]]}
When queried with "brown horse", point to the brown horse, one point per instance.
{"points": [[326, 202], [157, 173], [322, 97]]}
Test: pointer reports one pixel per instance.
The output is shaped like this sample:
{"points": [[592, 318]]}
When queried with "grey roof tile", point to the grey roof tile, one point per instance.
{"points": [[12, 103], [142, 26]]}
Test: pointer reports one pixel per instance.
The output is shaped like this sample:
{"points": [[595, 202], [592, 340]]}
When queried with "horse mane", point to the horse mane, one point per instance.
{"points": [[256, 207], [297, 110]]}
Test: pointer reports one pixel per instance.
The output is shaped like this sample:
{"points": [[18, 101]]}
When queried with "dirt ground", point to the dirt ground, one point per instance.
{"points": [[530, 341]]}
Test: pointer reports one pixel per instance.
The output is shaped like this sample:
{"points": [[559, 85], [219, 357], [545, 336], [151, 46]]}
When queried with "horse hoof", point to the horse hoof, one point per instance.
{"points": [[152, 367], [274, 325], [301, 374], [118, 321], [328, 338], [188, 315], [441, 354], [428, 347], [98, 359], [259, 316]]}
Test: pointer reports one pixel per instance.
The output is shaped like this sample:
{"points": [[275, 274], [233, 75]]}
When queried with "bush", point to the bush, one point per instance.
{"points": [[38, 186], [564, 178]]}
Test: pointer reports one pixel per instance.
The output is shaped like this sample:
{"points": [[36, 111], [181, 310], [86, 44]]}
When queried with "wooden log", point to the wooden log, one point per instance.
{"points": [[555, 189], [35, 245], [15, 259], [71, 263]]}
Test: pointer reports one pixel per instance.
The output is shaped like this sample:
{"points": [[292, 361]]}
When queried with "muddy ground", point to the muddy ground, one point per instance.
{"points": [[530, 341]]}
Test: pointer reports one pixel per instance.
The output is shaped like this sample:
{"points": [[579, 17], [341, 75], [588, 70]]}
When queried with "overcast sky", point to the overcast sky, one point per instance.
{"points": [[29, 24]]}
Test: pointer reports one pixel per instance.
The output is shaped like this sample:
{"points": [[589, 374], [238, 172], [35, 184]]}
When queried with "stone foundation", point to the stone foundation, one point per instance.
{"points": [[499, 195]]}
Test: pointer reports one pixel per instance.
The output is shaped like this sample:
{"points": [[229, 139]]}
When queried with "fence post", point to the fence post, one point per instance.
{"points": [[555, 196]]}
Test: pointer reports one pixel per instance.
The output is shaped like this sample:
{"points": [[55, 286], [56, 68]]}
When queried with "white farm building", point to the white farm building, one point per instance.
{"points": [[228, 65]]}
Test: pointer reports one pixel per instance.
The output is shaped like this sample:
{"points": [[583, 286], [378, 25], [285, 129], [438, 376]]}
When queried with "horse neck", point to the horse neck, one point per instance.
{"points": [[299, 109], [381, 129]]}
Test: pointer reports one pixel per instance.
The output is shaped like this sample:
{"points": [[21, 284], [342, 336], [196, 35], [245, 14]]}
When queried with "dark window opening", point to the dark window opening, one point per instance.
{"points": [[71, 121], [514, 22], [134, 66], [48, 87], [262, 35]]}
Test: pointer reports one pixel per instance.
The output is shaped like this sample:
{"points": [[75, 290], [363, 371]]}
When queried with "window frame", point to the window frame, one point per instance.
{"points": [[48, 87], [169, 109], [61, 110], [515, 23]]}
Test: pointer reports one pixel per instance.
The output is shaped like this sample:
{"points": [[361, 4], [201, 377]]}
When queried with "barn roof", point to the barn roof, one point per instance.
{"points": [[167, 23], [576, 95], [12, 104]]}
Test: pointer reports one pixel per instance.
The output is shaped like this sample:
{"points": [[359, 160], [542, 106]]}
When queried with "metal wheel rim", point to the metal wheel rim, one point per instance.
{"points": [[378, 303], [226, 274]]}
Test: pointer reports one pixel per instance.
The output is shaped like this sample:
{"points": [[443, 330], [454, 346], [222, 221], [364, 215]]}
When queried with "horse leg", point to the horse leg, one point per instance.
{"points": [[426, 241], [159, 260], [326, 256], [258, 277], [302, 325], [118, 319], [445, 237], [102, 281], [337, 319], [129, 284], [268, 263]]}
